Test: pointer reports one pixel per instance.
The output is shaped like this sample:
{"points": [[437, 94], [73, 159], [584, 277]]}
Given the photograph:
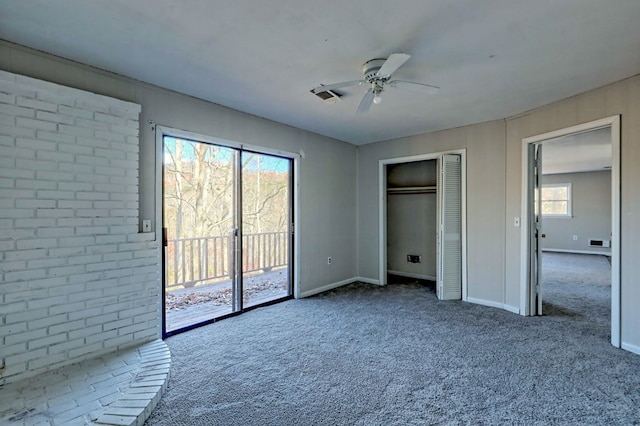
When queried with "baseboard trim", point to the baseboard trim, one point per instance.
{"points": [[367, 280], [602, 253], [327, 287], [631, 348], [493, 304], [412, 275]]}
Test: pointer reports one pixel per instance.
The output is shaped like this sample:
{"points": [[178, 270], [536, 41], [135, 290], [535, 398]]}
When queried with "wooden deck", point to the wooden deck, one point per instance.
{"points": [[259, 288]]}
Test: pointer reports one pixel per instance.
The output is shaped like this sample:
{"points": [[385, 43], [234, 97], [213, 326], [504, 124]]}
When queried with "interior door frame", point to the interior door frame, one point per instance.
{"points": [[613, 123], [382, 208], [161, 132]]}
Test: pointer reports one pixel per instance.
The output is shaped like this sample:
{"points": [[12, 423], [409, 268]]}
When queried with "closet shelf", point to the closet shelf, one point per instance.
{"points": [[412, 190]]}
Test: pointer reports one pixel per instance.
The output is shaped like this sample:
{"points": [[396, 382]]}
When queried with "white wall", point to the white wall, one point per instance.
{"points": [[590, 213], [76, 278], [327, 181]]}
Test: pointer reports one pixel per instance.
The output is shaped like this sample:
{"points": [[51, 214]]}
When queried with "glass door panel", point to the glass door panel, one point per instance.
{"points": [[199, 215], [266, 219]]}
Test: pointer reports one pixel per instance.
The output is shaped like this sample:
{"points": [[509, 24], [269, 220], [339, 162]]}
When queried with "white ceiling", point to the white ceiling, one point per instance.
{"points": [[491, 58], [582, 152]]}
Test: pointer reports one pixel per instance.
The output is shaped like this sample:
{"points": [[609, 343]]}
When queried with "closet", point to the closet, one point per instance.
{"points": [[412, 219], [423, 221]]}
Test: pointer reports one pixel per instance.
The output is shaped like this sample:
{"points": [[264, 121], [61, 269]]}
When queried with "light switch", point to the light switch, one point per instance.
{"points": [[516, 222]]}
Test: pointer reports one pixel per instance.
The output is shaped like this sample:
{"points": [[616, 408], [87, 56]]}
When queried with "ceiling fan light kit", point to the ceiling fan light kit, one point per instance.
{"points": [[377, 74]]}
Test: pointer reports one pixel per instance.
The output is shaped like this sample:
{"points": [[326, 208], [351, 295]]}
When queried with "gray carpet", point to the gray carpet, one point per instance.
{"points": [[367, 355]]}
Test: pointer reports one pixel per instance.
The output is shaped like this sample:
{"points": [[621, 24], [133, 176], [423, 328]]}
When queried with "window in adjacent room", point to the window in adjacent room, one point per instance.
{"points": [[556, 200]]}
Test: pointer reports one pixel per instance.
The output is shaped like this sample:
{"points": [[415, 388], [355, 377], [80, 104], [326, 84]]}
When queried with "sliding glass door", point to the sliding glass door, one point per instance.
{"points": [[227, 231]]}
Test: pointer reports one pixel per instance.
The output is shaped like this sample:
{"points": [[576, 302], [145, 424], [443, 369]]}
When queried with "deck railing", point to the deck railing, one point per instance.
{"points": [[192, 261]]}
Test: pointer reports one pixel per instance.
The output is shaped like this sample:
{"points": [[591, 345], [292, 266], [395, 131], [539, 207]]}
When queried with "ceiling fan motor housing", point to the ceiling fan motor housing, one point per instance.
{"points": [[370, 69]]}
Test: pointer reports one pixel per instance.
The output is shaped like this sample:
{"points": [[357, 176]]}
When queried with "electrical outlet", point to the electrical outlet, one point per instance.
{"points": [[516, 222], [146, 225], [329, 260], [575, 238], [414, 258]]}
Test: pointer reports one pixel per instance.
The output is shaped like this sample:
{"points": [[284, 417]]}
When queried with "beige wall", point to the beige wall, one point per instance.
{"points": [[327, 220], [484, 144], [590, 213], [619, 98]]}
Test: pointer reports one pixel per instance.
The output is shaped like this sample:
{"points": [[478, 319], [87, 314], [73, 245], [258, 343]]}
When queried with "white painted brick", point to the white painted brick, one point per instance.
{"points": [[74, 131], [110, 171], [84, 278], [94, 177], [109, 153], [128, 131], [55, 137], [119, 341], [6, 141], [75, 204], [17, 111], [44, 322], [50, 359], [91, 124], [59, 212], [110, 137], [83, 260], [16, 131], [16, 234], [67, 290], [85, 331], [29, 274], [129, 330], [56, 195], [85, 295], [76, 112], [83, 350], [65, 346], [8, 308], [92, 142], [36, 243], [101, 319], [8, 350], [68, 221], [25, 356], [75, 186], [76, 241], [36, 105], [10, 172], [91, 104], [64, 271], [56, 118], [23, 317], [93, 195], [7, 183], [91, 230], [55, 156], [46, 263], [18, 152], [66, 307], [26, 336], [44, 303], [74, 148], [66, 327], [35, 164], [35, 184], [84, 313], [55, 98], [101, 337], [54, 176], [10, 329], [69, 251], [16, 265], [55, 232], [26, 254], [46, 341], [36, 144], [92, 212], [32, 204], [7, 98], [91, 160], [31, 123], [7, 120]]}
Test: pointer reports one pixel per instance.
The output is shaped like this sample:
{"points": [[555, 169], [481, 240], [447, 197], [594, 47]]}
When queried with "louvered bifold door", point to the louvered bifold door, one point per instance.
{"points": [[450, 228]]}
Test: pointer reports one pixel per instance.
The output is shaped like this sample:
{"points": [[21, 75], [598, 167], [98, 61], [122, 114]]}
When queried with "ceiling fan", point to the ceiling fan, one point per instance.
{"points": [[377, 74]]}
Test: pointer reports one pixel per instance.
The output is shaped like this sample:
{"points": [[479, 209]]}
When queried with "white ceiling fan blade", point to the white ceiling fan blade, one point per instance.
{"points": [[394, 62], [366, 102], [337, 85], [410, 85]]}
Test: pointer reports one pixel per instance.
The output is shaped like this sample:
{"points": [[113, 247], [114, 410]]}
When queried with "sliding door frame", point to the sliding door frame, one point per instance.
{"points": [[294, 234]]}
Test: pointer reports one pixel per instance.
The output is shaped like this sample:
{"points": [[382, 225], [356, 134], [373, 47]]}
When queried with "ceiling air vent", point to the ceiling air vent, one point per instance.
{"points": [[327, 96]]}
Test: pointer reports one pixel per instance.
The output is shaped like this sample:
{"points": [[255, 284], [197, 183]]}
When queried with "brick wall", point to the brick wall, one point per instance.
{"points": [[76, 277]]}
